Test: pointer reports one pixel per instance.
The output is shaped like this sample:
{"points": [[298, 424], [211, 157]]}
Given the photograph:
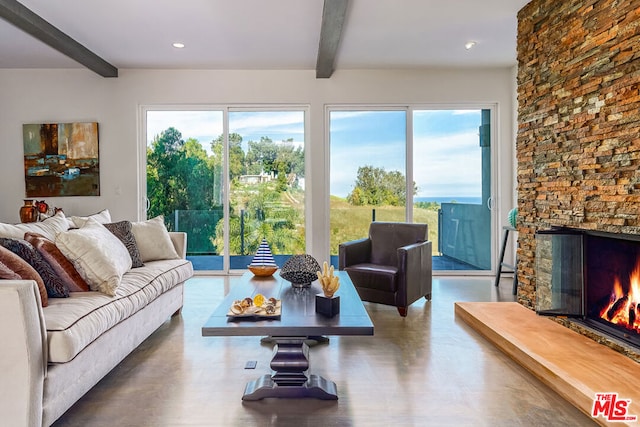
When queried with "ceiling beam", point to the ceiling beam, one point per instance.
{"points": [[17, 14], [333, 16]]}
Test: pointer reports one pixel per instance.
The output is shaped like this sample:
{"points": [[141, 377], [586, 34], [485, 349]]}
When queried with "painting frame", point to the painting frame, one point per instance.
{"points": [[61, 159]]}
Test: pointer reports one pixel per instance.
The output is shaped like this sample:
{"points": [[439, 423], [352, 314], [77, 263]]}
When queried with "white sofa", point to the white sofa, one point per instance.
{"points": [[50, 357]]}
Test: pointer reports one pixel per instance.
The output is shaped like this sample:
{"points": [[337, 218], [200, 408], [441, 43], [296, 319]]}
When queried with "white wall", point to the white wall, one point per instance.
{"points": [[41, 96]]}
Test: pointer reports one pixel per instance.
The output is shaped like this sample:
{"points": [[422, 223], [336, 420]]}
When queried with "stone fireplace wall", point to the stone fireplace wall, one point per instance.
{"points": [[578, 142]]}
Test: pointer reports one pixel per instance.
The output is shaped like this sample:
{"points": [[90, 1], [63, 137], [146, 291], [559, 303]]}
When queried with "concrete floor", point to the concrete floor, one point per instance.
{"points": [[428, 369]]}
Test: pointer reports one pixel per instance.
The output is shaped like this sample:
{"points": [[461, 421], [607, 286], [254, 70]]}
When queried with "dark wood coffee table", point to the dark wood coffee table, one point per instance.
{"points": [[298, 321]]}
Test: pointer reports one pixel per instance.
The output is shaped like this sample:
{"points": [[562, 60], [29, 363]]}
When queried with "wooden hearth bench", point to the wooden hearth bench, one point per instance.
{"points": [[573, 365]]}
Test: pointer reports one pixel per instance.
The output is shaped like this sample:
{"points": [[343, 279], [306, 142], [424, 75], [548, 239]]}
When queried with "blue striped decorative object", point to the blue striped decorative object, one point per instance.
{"points": [[263, 263]]}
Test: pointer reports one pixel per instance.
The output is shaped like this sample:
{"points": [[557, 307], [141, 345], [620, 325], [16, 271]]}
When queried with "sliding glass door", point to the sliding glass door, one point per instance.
{"points": [[185, 181], [368, 171], [229, 178], [452, 172], [266, 177], [430, 166]]}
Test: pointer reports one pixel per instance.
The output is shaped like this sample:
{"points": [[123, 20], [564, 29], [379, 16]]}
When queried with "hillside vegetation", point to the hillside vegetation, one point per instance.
{"points": [[266, 197], [350, 222]]}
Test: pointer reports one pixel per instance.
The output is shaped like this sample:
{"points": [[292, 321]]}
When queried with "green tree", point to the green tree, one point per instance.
{"points": [[289, 163], [200, 176], [166, 185], [180, 176], [261, 156], [237, 162], [376, 187], [275, 158]]}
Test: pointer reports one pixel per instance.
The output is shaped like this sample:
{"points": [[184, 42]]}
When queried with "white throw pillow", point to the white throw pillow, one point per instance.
{"points": [[98, 255], [48, 228], [103, 217], [153, 240]]}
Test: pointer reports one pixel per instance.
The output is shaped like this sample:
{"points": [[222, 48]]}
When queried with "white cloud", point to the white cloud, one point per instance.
{"points": [[252, 122], [449, 164], [206, 126], [202, 125], [460, 112]]}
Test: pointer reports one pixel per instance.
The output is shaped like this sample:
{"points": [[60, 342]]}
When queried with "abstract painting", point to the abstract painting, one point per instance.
{"points": [[61, 159]]}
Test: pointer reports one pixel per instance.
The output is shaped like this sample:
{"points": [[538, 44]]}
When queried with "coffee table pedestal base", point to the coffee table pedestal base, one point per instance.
{"points": [[316, 387], [290, 362]]}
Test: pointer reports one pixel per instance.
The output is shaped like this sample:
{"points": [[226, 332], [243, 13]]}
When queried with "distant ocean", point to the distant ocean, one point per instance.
{"points": [[458, 199]]}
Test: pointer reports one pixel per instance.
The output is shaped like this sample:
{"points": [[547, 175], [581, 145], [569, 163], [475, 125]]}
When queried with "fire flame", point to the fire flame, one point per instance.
{"points": [[624, 310]]}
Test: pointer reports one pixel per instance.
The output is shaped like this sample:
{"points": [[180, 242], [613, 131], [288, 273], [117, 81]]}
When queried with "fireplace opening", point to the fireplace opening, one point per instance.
{"points": [[593, 277], [613, 286]]}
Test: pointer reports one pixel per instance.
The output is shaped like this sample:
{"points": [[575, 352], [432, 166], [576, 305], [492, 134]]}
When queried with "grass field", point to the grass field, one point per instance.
{"points": [[352, 222]]}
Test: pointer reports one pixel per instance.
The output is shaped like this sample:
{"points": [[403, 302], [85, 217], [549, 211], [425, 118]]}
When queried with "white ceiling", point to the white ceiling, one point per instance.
{"points": [[270, 34]]}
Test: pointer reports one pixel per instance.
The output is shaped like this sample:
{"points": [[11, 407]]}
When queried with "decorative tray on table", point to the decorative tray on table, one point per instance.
{"points": [[256, 308]]}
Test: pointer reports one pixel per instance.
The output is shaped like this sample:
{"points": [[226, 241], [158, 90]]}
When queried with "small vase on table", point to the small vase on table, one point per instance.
{"points": [[28, 212]]}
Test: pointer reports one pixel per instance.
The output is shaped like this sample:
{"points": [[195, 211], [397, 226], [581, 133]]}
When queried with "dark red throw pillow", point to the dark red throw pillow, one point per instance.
{"points": [[8, 274], [58, 262]]}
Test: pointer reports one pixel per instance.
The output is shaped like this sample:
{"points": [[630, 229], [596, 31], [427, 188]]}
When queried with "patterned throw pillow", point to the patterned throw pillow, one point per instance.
{"points": [[54, 285], [122, 230], [25, 271], [63, 268]]}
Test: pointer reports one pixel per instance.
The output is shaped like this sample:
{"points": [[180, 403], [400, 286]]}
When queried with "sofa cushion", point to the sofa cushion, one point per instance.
{"points": [[56, 288], [58, 262], [98, 255], [153, 240], [24, 270], [374, 276], [122, 230], [48, 228], [73, 323]]}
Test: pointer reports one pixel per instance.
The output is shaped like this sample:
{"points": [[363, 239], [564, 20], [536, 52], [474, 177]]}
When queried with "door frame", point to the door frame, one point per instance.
{"points": [[142, 201], [410, 108]]}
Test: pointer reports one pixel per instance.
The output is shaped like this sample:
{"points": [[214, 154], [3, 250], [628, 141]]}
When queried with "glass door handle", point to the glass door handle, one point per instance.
{"points": [[490, 203]]}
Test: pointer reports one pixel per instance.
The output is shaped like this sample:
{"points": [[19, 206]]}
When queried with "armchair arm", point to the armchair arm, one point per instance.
{"points": [[415, 271], [23, 364], [354, 252]]}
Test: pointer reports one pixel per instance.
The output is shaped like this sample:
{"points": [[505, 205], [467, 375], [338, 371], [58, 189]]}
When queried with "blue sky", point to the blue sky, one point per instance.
{"points": [[206, 126], [447, 160], [447, 153]]}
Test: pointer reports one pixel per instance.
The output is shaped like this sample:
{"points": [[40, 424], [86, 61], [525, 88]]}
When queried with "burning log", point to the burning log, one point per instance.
{"points": [[632, 316], [617, 307]]}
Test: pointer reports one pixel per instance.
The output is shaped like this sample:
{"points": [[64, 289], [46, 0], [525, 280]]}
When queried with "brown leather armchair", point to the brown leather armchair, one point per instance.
{"points": [[392, 266]]}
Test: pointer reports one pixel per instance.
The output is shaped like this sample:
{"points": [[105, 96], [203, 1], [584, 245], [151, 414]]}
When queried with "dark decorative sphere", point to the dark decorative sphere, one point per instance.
{"points": [[300, 270]]}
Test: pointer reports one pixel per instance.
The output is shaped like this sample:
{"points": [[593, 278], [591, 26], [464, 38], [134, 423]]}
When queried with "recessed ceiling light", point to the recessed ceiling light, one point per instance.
{"points": [[178, 45], [469, 45]]}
